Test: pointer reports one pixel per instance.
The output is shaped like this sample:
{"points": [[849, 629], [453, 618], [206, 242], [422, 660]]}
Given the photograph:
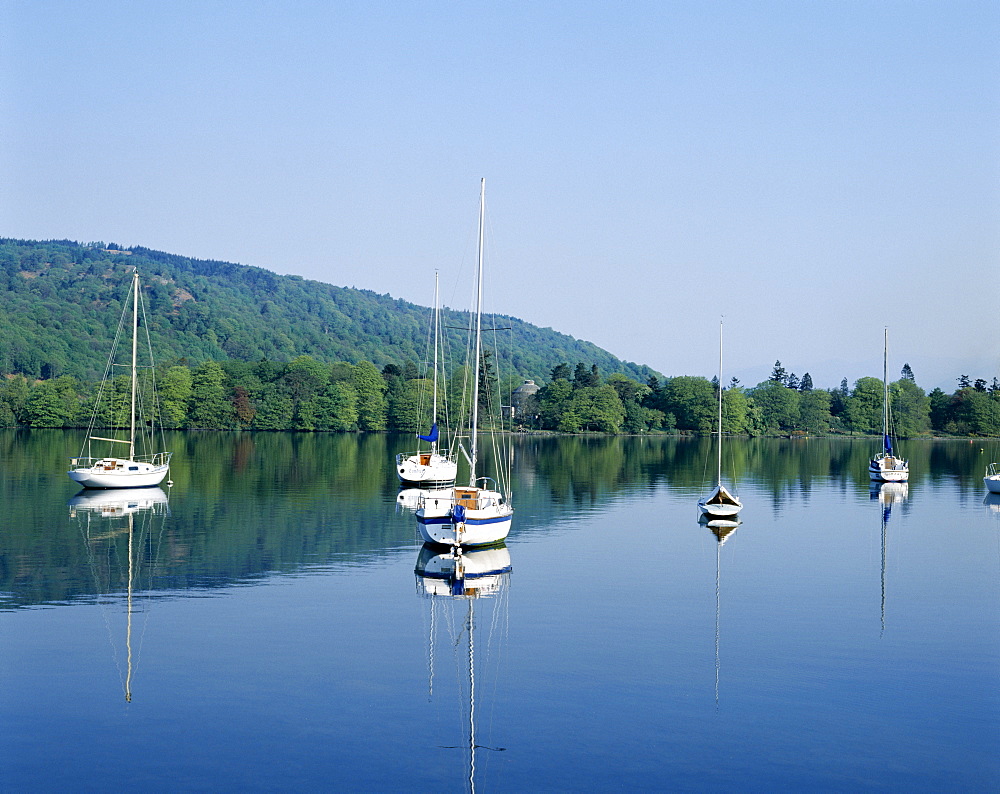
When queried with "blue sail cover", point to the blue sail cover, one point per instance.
{"points": [[432, 436], [888, 444]]}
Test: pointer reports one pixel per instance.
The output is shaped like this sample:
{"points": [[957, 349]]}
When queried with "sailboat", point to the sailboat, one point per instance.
{"points": [[479, 514], [447, 579], [131, 470], [144, 504], [434, 467], [721, 502], [992, 478], [885, 466]]}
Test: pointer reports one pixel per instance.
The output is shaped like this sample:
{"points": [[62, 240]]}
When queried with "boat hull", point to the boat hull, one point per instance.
{"points": [[119, 474], [886, 469], [992, 483], [484, 520], [719, 511], [422, 469]]}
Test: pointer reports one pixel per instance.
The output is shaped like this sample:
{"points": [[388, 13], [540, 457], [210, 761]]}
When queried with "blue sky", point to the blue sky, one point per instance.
{"points": [[815, 171]]}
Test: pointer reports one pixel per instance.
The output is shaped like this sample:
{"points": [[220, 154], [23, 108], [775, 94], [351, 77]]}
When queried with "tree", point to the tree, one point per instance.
{"points": [[792, 382], [911, 408], [337, 407], [44, 407], [242, 407], [735, 411], [597, 408], [778, 374], [807, 383], [553, 401], [907, 373], [692, 400], [274, 409], [583, 377], [779, 405], [979, 385], [964, 382], [370, 387], [864, 407], [208, 406], [814, 411], [174, 389], [560, 371], [938, 409]]}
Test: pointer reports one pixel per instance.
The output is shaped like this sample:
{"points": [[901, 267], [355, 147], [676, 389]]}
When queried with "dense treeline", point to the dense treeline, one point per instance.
{"points": [[309, 395], [60, 302], [781, 405]]}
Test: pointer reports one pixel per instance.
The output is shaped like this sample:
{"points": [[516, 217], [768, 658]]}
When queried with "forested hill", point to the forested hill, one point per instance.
{"points": [[61, 301]]}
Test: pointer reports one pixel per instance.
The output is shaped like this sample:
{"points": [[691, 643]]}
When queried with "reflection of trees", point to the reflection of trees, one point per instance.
{"points": [[246, 504]]}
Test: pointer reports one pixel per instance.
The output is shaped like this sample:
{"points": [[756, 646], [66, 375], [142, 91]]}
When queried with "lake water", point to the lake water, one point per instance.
{"points": [[279, 639]]}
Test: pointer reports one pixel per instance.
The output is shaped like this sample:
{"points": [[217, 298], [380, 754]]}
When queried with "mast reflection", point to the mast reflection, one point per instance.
{"points": [[446, 579], [105, 516], [887, 494], [722, 528]]}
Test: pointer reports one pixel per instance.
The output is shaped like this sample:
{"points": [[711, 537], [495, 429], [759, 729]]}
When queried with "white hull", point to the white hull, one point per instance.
{"points": [[720, 511], [422, 468], [119, 473], [487, 518], [884, 468], [992, 478]]}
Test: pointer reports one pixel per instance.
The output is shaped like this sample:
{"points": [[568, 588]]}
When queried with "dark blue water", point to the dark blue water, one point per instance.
{"points": [[838, 639]]}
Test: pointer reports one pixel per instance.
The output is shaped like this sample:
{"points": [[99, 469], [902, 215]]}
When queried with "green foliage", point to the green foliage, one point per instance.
{"points": [[208, 406], [61, 301], [911, 408], [692, 401], [863, 411], [814, 411], [174, 386], [371, 388], [780, 406]]}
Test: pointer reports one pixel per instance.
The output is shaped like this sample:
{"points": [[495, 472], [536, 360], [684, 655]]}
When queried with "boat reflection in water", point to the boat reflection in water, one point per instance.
{"points": [[447, 579], [107, 517], [887, 494], [722, 528], [410, 498]]}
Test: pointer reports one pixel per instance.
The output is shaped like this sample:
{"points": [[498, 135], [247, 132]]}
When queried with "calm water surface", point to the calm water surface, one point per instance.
{"points": [[279, 639]]}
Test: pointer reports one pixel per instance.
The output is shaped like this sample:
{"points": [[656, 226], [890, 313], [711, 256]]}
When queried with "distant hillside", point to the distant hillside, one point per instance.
{"points": [[61, 301]]}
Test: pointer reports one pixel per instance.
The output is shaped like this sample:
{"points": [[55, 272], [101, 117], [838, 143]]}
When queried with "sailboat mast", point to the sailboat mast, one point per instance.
{"points": [[437, 313], [135, 335], [885, 390], [479, 312], [718, 473]]}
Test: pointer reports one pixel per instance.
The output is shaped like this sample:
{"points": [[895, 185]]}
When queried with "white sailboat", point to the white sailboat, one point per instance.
{"points": [[479, 514], [886, 466], [992, 478], [433, 467], [447, 579], [721, 503], [145, 469]]}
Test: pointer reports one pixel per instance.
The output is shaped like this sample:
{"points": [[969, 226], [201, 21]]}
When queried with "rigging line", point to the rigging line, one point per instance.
{"points": [[156, 415]]}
